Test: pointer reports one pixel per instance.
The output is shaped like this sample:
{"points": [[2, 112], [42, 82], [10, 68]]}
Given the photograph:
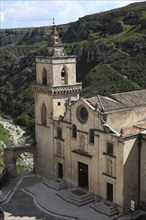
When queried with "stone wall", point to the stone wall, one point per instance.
{"points": [[126, 118]]}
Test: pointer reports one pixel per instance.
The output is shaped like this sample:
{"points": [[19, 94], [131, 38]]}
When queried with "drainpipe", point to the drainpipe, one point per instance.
{"points": [[139, 144]]}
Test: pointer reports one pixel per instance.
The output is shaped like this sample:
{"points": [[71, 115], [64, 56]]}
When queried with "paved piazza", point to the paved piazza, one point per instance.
{"points": [[27, 198]]}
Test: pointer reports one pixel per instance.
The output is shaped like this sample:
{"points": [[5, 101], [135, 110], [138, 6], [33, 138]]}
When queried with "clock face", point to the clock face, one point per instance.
{"points": [[82, 114]]}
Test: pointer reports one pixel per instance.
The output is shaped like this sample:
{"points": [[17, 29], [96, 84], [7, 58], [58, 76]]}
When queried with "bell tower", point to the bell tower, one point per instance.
{"points": [[55, 78]]}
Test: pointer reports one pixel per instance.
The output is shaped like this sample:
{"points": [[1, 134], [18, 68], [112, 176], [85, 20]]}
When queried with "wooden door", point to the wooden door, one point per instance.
{"points": [[110, 192], [83, 175]]}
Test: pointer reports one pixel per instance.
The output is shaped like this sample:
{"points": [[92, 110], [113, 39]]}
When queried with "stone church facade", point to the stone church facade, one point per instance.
{"points": [[98, 143]]}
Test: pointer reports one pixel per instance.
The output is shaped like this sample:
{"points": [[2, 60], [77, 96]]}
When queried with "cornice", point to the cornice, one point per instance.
{"points": [[55, 90]]}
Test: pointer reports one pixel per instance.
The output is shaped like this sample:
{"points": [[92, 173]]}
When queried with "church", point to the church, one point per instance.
{"points": [[97, 144]]}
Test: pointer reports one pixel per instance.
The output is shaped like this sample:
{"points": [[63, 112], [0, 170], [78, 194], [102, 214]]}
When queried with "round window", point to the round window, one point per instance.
{"points": [[82, 114]]}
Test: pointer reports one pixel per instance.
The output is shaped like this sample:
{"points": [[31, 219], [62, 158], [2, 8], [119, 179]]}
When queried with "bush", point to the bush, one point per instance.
{"points": [[23, 120]]}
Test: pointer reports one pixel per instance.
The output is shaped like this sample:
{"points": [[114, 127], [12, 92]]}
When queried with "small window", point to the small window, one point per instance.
{"points": [[91, 136], [59, 103], [74, 131], [110, 148], [44, 77], [59, 132], [44, 115]]}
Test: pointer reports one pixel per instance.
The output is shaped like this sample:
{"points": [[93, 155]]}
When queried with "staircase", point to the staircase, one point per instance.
{"points": [[57, 184], [77, 197], [106, 208]]}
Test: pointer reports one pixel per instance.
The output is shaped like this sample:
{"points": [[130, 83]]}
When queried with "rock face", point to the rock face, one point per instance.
{"points": [[24, 36], [15, 132]]}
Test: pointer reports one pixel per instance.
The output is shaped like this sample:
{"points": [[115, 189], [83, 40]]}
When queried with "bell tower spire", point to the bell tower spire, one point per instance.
{"points": [[55, 46]]}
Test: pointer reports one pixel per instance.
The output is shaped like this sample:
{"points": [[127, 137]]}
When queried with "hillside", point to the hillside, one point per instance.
{"points": [[110, 50]]}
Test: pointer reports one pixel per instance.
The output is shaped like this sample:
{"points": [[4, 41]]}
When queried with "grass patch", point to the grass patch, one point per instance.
{"points": [[82, 43], [126, 35]]}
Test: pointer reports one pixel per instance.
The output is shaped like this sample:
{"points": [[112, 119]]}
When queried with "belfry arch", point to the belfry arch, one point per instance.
{"points": [[44, 76], [64, 75], [11, 155]]}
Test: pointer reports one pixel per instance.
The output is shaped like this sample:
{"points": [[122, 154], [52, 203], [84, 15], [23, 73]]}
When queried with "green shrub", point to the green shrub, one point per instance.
{"points": [[25, 120]]}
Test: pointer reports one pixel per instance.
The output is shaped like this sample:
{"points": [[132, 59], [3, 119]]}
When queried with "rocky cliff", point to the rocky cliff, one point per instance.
{"points": [[110, 49]]}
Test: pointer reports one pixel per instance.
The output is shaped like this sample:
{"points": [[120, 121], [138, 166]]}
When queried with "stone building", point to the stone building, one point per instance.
{"points": [[98, 143]]}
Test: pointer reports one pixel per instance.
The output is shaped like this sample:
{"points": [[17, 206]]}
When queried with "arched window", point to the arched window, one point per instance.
{"points": [[44, 115], [64, 76], [44, 77], [91, 136], [74, 131]]}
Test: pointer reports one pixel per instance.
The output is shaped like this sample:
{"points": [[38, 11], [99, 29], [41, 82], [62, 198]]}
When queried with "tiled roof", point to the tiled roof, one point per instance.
{"points": [[119, 101], [130, 99], [134, 130]]}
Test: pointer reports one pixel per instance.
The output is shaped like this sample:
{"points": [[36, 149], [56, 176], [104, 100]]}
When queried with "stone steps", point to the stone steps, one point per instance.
{"points": [[57, 184], [106, 208], [75, 196]]}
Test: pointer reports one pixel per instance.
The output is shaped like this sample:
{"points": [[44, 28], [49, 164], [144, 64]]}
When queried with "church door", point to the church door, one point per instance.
{"points": [[83, 175], [60, 170], [110, 192]]}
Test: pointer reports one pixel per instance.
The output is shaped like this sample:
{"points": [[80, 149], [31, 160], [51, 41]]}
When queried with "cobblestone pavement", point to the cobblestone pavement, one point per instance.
{"points": [[21, 206]]}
